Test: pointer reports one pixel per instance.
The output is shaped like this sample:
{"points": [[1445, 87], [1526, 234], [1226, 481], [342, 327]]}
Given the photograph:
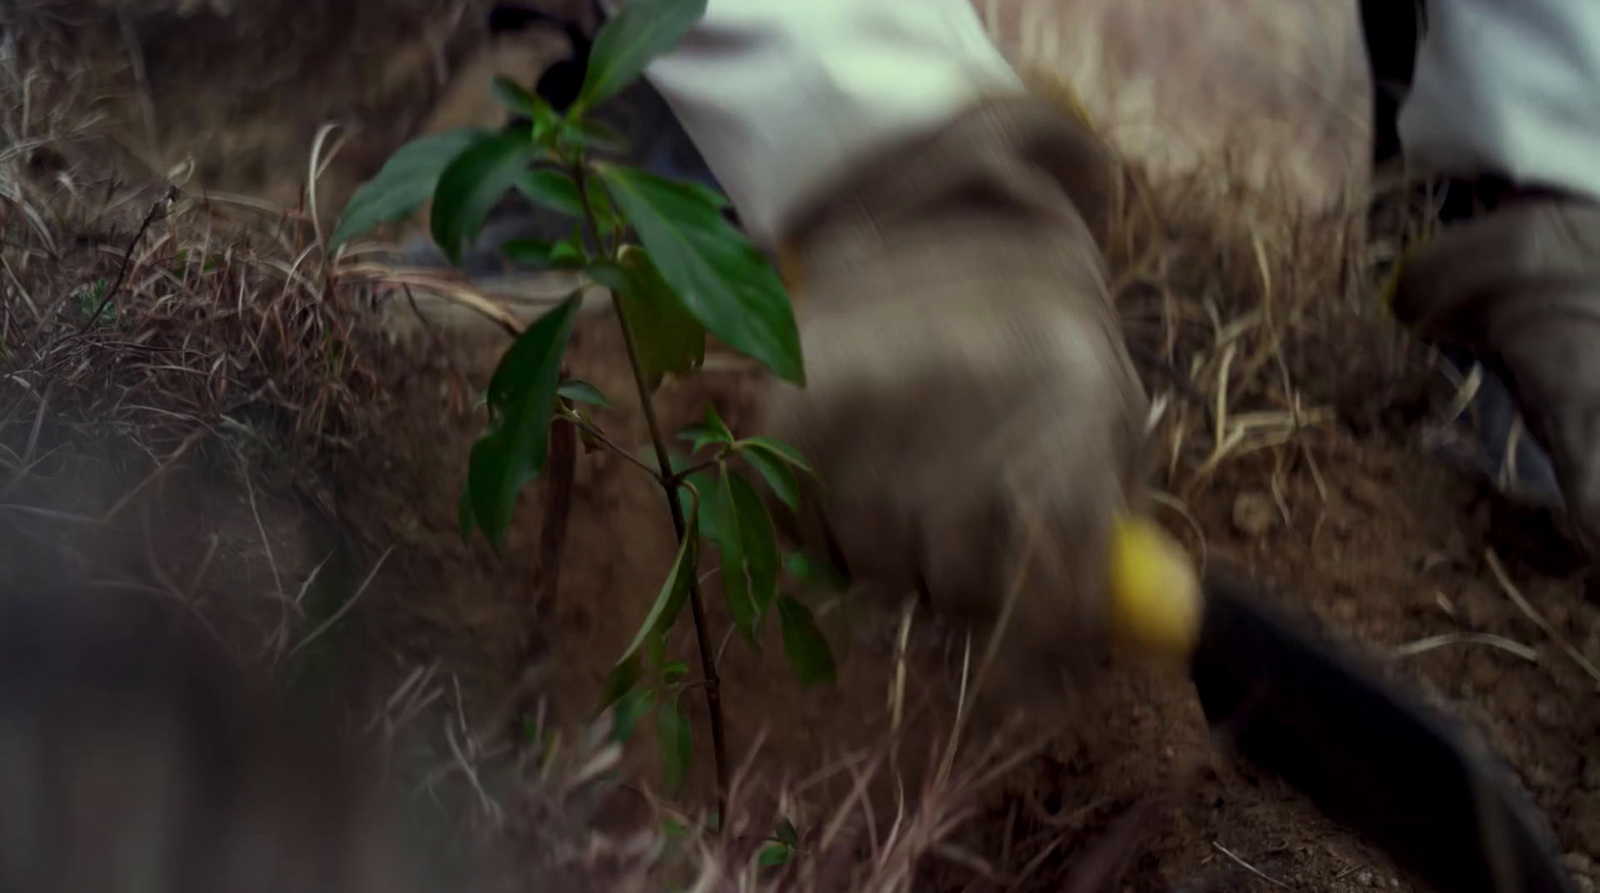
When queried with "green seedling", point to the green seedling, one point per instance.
{"points": [[677, 271]]}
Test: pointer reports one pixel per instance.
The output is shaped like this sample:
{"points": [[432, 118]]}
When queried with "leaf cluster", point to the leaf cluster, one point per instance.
{"points": [[679, 272]]}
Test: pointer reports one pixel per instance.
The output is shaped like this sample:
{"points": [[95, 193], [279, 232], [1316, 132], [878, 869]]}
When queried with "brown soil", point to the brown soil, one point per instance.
{"points": [[1391, 552]]}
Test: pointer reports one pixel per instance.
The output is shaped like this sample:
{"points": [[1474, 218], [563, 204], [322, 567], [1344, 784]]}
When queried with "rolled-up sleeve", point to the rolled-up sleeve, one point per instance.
{"points": [[781, 97], [1509, 87]]}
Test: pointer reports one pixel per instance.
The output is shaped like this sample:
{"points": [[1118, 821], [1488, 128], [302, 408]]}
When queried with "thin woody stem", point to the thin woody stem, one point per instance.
{"points": [[669, 482]]}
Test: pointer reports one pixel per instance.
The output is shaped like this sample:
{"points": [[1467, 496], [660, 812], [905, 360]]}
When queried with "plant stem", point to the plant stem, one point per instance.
{"points": [[669, 483], [679, 477], [580, 175], [560, 470], [708, 660], [127, 258], [600, 438]]}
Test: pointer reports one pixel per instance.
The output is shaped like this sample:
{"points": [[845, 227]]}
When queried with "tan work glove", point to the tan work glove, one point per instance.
{"points": [[1520, 287], [971, 408]]}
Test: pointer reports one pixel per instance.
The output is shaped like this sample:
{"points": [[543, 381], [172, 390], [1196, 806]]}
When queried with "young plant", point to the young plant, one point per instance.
{"points": [[677, 271]]}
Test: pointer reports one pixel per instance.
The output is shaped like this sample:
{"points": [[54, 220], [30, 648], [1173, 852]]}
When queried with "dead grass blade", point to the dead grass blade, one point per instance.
{"points": [[1521, 602], [344, 609], [1422, 646]]}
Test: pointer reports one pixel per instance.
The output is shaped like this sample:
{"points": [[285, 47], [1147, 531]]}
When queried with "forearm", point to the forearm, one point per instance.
{"points": [[1508, 87], [783, 97]]}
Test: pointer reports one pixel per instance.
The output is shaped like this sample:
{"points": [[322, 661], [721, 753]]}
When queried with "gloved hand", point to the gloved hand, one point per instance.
{"points": [[970, 405], [1520, 287]]}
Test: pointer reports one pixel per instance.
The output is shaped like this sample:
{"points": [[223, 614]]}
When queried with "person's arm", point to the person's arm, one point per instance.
{"points": [[1511, 89], [970, 406], [783, 97]]}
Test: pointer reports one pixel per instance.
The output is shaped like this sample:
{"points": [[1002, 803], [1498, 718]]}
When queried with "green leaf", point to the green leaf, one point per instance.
{"points": [[600, 204], [464, 517], [803, 643], [699, 437], [776, 461], [674, 671], [672, 733], [781, 450], [720, 277], [713, 430], [735, 577], [553, 189], [667, 337], [522, 101], [706, 194], [405, 183], [749, 550], [760, 541], [777, 475], [593, 135], [568, 254], [788, 835], [708, 486], [515, 97], [529, 252], [629, 711], [624, 676], [474, 183], [814, 571], [610, 274], [643, 30], [720, 428], [521, 397], [774, 854], [674, 590], [655, 644], [579, 391]]}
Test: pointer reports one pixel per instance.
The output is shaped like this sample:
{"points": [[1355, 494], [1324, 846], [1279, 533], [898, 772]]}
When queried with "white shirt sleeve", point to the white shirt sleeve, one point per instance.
{"points": [[1508, 87], [782, 97]]}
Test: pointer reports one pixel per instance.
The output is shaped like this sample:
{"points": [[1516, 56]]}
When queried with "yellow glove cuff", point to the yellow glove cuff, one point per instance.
{"points": [[1156, 600]]}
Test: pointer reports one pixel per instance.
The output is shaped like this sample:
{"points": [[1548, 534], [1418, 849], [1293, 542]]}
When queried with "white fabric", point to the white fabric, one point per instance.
{"points": [[1509, 87], [782, 97]]}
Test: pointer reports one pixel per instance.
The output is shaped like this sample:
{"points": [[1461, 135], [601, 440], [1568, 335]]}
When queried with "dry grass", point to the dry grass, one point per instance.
{"points": [[149, 333], [141, 311], [1234, 304], [570, 824], [1237, 242], [1216, 300], [168, 320], [144, 314]]}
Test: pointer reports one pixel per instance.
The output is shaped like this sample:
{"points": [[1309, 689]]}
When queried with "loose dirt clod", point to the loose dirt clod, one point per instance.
{"points": [[1254, 514]]}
